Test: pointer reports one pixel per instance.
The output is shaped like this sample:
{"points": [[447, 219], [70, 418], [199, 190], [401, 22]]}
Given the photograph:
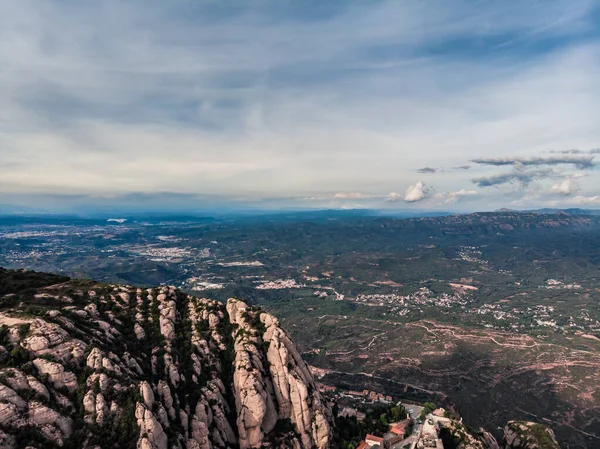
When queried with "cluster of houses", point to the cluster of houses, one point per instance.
{"points": [[371, 396], [279, 284], [420, 297], [396, 433], [425, 436]]}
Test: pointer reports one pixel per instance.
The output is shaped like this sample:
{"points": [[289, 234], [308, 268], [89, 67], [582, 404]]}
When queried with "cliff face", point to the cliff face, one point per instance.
{"points": [[97, 366]]}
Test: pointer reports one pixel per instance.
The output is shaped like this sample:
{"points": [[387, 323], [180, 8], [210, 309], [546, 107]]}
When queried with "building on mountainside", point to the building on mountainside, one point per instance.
{"points": [[325, 388], [439, 412], [378, 397], [368, 396], [400, 427], [318, 372], [358, 393], [374, 441], [429, 436], [391, 439], [362, 445], [396, 433], [348, 412]]}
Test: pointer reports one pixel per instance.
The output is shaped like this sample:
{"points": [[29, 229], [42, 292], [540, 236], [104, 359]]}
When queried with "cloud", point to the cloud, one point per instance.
{"points": [[453, 197], [420, 191], [462, 167], [350, 195], [565, 187], [573, 151], [583, 200], [576, 151], [417, 192], [581, 162], [578, 174], [523, 177], [282, 99], [425, 170], [394, 197]]}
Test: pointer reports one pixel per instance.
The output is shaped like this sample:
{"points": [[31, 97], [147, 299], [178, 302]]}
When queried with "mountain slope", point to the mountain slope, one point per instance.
{"points": [[93, 365]]}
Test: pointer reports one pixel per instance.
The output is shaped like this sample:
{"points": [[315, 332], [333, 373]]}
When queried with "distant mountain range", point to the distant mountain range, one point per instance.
{"points": [[10, 215]]}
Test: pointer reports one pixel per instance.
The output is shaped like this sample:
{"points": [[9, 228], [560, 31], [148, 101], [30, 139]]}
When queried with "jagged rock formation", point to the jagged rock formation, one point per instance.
{"points": [[528, 435], [517, 435], [456, 435], [272, 388], [107, 366]]}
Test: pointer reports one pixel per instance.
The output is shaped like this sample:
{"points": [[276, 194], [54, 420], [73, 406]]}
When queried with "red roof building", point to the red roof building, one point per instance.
{"points": [[323, 388], [397, 430], [372, 440], [400, 427]]}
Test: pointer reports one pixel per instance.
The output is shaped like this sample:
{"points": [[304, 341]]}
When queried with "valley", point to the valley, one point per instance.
{"points": [[483, 312]]}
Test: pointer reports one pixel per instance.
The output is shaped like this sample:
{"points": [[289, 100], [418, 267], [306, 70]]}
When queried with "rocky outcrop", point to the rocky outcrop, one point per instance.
{"points": [[487, 440], [99, 366], [528, 435], [272, 382], [58, 375], [152, 434], [517, 435], [463, 437]]}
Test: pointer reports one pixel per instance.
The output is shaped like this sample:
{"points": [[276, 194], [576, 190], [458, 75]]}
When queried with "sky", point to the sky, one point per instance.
{"points": [[417, 104]]}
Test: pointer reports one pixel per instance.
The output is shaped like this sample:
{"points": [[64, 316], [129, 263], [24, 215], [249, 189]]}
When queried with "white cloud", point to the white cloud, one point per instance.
{"points": [[417, 192], [394, 196], [583, 200], [578, 174], [453, 197], [350, 195], [565, 187]]}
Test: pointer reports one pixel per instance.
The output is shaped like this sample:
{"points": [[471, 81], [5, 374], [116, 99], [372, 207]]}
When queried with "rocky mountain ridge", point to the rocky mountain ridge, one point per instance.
{"points": [[97, 366], [484, 223]]}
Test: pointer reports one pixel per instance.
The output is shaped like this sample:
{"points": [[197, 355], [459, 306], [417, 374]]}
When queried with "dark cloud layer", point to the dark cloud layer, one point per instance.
{"points": [[462, 167], [523, 177], [573, 151], [580, 161], [576, 151], [427, 170]]}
